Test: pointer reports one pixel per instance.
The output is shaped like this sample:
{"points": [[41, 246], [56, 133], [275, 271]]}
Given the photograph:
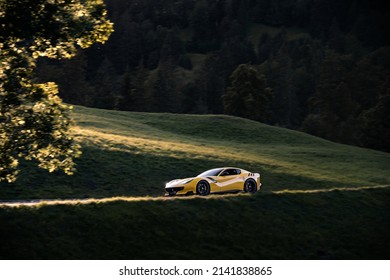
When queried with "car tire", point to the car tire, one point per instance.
{"points": [[250, 186], [203, 188]]}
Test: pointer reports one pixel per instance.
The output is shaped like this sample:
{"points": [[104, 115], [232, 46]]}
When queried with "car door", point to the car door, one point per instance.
{"points": [[229, 180]]}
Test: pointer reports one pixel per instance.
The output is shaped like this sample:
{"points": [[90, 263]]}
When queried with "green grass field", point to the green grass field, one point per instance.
{"points": [[334, 225], [134, 154]]}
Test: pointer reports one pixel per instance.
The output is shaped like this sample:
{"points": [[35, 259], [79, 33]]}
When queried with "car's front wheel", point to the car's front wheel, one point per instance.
{"points": [[250, 186], [203, 188]]}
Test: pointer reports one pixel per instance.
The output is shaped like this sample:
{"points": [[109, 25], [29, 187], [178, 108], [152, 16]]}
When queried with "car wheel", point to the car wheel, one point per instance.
{"points": [[250, 186], [203, 188]]}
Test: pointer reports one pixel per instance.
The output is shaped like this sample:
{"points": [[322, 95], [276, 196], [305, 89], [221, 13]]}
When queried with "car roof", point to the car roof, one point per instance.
{"points": [[230, 167]]}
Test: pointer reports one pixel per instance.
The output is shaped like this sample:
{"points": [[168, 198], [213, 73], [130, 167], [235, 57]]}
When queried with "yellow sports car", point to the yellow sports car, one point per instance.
{"points": [[217, 180]]}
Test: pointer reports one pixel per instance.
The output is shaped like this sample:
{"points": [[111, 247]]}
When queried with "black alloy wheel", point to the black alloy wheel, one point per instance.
{"points": [[250, 186], [203, 188]]}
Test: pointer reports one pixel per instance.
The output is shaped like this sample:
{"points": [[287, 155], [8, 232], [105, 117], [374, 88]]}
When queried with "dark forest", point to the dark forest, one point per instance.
{"points": [[319, 66]]}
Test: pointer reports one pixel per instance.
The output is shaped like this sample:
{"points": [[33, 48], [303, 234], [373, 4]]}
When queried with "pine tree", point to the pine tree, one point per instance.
{"points": [[248, 95], [106, 86], [375, 122], [332, 103], [132, 91], [71, 77]]}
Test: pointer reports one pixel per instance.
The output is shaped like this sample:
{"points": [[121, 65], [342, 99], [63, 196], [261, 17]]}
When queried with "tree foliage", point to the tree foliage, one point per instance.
{"points": [[248, 95], [34, 123]]}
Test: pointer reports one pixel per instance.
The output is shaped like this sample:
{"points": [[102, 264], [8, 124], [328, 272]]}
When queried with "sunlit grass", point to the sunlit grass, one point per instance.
{"points": [[135, 154], [53, 202], [228, 139], [264, 157]]}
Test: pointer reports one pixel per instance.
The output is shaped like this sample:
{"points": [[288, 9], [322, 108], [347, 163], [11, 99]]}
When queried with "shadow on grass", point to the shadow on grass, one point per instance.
{"points": [[333, 225]]}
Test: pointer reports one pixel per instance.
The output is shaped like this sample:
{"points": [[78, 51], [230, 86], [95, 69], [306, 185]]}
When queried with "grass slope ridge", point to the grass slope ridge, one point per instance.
{"points": [[134, 154]]}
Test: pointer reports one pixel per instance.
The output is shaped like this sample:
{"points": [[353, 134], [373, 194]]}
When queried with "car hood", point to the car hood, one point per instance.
{"points": [[178, 182]]}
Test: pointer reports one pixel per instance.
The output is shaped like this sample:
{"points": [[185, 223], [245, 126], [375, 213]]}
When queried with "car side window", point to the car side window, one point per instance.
{"points": [[229, 172]]}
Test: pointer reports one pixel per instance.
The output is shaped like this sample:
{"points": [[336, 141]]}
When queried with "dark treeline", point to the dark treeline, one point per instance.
{"points": [[321, 66]]}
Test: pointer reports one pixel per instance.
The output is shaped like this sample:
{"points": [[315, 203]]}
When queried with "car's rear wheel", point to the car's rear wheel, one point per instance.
{"points": [[203, 188], [250, 186]]}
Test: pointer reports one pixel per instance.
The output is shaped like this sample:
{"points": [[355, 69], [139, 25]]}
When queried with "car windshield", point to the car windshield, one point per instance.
{"points": [[211, 172]]}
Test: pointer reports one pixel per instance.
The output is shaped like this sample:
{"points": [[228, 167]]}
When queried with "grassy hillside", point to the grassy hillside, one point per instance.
{"points": [[136, 153], [317, 202], [330, 225]]}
